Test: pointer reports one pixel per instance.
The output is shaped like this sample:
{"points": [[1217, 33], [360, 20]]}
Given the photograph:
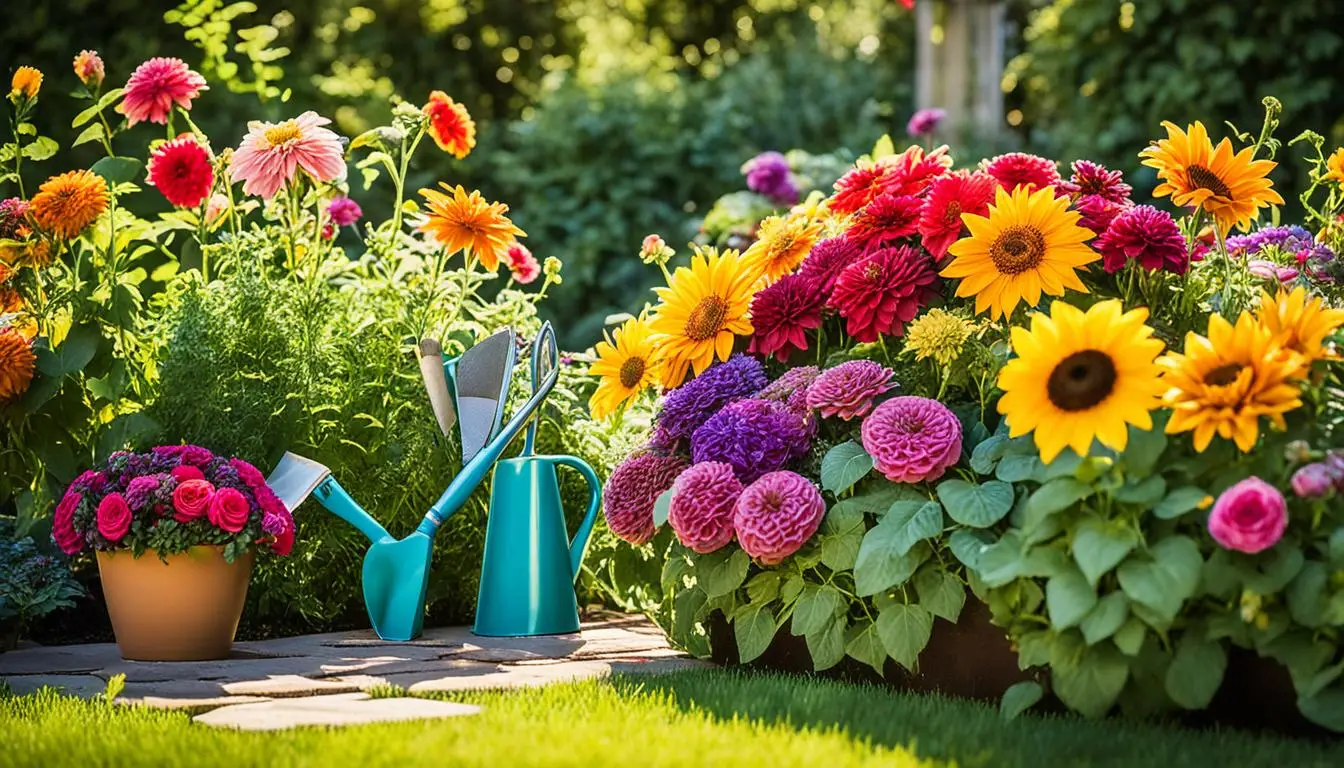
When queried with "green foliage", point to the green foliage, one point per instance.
{"points": [[32, 584]]}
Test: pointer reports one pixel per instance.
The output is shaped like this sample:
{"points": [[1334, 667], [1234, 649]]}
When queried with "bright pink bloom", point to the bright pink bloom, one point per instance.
{"points": [[272, 154], [912, 439], [250, 475], [522, 264], [1098, 212], [782, 314], [1018, 169], [184, 472], [884, 220], [776, 515], [849, 389], [925, 121], [827, 260], [343, 211], [1249, 517], [633, 489], [191, 500], [1144, 234], [182, 170], [949, 197], [155, 86], [703, 500], [1091, 178], [114, 517], [882, 293], [63, 524], [229, 510]]}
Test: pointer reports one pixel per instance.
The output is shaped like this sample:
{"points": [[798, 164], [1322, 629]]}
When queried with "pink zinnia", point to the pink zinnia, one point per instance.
{"points": [[343, 211], [912, 439], [949, 197], [1249, 517], [272, 154], [776, 515], [882, 293], [1146, 235], [1091, 178], [633, 489], [885, 219], [782, 314], [522, 264], [827, 259], [155, 86], [1018, 169], [1098, 212], [703, 499], [849, 389], [182, 170]]}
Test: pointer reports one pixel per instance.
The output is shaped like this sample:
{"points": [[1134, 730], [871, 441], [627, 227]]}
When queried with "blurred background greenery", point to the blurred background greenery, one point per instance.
{"points": [[604, 120]]}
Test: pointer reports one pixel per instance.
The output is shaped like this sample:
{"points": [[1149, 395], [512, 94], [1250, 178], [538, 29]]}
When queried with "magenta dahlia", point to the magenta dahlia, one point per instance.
{"points": [[703, 499], [776, 515], [633, 489], [782, 314], [1018, 169], [912, 439], [1144, 234], [827, 260], [882, 293], [1098, 212], [849, 389], [1091, 178]]}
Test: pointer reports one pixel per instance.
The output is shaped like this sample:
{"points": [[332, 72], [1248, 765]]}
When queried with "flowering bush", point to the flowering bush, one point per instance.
{"points": [[1007, 383]]}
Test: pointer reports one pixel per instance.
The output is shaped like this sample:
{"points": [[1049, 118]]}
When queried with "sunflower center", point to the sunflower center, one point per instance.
{"points": [[1082, 380], [1203, 178], [286, 131], [632, 372], [1223, 375], [706, 319], [1017, 249]]}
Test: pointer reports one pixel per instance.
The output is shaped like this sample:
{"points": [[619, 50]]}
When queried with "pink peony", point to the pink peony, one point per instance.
{"points": [[633, 489], [184, 472], [912, 439], [272, 154], [191, 500], [776, 515], [155, 86], [849, 389], [195, 454], [63, 524], [702, 506], [1249, 517], [114, 517], [228, 510]]}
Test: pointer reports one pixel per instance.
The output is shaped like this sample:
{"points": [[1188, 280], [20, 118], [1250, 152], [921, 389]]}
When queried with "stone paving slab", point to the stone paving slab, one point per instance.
{"points": [[83, 686], [332, 710]]}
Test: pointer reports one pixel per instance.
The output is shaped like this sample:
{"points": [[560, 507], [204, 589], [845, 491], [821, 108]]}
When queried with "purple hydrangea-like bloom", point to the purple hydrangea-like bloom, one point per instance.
{"points": [[912, 439], [693, 403], [1288, 238], [776, 515], [924, 122], [633, 489], [789, 384], [141, 490], [768, 174], [849, 390], [1316, 259], [703, 501], [754, 436]]}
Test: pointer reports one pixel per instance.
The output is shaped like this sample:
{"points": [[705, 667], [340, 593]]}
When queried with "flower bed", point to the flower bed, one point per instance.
{"points": [[940, 394]]}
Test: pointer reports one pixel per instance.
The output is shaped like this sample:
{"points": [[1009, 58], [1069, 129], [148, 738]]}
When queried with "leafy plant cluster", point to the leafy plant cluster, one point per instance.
{"points": [[33, 584]]}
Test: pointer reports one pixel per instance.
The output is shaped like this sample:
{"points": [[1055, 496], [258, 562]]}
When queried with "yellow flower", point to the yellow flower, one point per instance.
{"points": [[937, 334], [1080, 376], [782, 244], [626, 364], [702, 311], [26, 83], [66, 205], [1225, 382], [1334, 166], [1230, 186], [1029, 244], [469, 222], [1300, 325], [16, 363]]}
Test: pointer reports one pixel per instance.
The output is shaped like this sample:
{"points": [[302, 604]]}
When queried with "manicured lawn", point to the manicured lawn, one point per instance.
{"points": [[723, 719]]}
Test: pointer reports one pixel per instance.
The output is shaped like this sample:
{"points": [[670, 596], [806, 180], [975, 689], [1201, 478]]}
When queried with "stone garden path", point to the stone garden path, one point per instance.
{"points": [[324, 679]]}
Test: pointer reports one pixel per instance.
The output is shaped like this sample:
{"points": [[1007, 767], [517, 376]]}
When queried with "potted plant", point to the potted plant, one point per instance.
{"points": [[174, 531]]}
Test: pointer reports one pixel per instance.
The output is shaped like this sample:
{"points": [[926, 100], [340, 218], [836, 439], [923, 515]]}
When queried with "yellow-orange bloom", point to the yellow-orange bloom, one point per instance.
{"points": [[450, 125], [1300, 324], [27, 82], [783, 242], [1334, 166], [460, 221], [1231, 187], [66, 205], [16, 363]]}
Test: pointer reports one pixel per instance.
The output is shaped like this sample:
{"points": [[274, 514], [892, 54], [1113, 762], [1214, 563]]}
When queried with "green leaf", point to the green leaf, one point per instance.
{"points": [[41, 149], [720, 572], [1306, 595], [1129, 638], [1144, 449], [1019, 698], [879, 568], [763, 587], [125, 431], [1163, 581], [864, 644], [967, 545], [1016, 467], [978, 506], [1055, 496], [661, 507], [1180, 501], [1144, 493], [1196, 672], [1325, 709], [792, 587], [827, 644], [1106, 618], [940, 592], [1068, 597], [842, 535], [1091, 685], [118, 170], [905, 630], [883, 148], [908, 523], [1099, 546], [816, 606], [1277, 569], [92, 133], [843, 466], [753, 628], [987, 454], [78, 349], [1001, 562]]}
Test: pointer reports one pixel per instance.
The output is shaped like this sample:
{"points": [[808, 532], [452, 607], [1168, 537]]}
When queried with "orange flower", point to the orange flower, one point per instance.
{"points": [[450, 125], [6, 272], [16, 364], [11, 304], [66, 205], [460, 221], [26, 83], [37, 254]]}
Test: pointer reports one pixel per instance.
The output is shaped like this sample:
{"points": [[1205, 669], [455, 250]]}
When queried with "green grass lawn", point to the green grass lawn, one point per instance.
{"points": [[705, 718]]}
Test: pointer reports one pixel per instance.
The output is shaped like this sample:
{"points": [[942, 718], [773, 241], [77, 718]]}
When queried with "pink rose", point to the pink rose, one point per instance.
{"points": [[63, 525], [249, 474], [191, 499], [114, 517], [1249, 517], [229, 510], [186, 472]]}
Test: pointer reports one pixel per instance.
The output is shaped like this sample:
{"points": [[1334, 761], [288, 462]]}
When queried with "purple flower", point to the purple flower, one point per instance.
{"points": [[703, 499], [1249, 517], [754, 436], [633, 489], [776, 515], [912, 439], [89, 481], [343, 211], [1290, 239], [1316, 480], [768, 174], [273, 523], [788, 385], [924, 122], [693, 403], [141, 490], [849, 390]]}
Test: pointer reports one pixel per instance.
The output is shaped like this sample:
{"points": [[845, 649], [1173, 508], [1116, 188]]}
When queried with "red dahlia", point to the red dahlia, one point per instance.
{"points": [[885, 219], [1091, 178], [881, 294], [949, 197], [827, 258], [905, 174], [1018, 169], [1144, 234], [182, 171], [782, 314]]}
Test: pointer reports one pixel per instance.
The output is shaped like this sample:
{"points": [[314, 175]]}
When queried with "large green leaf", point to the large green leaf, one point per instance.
{"points": [[1016, 467], [118, 170], [967, 545], [841, 536], [763, 587], [843, 466], [1196, 671], [905, 630], [1100, 545], [863, 643], [1180, 501], [1001, 562], [1092, 684], [1019, 698], [1106, 617], [879, 568], [1055, 496], [816, 606], [910, 522], [987, 454], [753, 629], [722, 572], [826, 645], [940, 592], [978, 506], [1325, 709], [1068, 598], [78, 349], [125, 431], [1165, 579]]}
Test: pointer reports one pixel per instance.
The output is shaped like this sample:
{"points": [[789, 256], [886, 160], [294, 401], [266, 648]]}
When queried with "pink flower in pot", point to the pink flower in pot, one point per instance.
{"points": [[191, 500], [114, 517], [229, 510], [1249, 517]]}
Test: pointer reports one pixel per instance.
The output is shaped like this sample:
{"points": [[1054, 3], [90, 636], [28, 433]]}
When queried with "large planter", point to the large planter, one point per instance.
{"points": [[181, 608]]}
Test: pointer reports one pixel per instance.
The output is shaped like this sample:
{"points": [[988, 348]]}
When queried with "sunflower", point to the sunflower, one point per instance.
{"points": [[702, 310], [66, 205], [1028, 244], [1300, 325], [16, 363], [626, 364], [1230, 186], [1080, 376], [470, 222], [1225, 382], [782, 244]]}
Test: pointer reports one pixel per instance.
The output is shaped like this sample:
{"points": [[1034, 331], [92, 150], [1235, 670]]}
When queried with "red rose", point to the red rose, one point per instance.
{"points": [[191, 499], [187, 472], [63, 526], [114, 517], [229, 510]]}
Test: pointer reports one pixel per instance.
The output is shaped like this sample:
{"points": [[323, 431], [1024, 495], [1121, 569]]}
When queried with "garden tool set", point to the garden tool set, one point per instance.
{"points": [[524, 588]]}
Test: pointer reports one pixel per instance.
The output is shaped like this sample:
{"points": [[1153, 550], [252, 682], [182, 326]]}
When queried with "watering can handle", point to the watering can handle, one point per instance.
{"points": [[580, 542]]}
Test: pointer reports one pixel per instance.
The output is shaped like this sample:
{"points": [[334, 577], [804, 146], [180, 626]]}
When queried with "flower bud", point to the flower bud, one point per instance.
{"points": [[89, 68]]}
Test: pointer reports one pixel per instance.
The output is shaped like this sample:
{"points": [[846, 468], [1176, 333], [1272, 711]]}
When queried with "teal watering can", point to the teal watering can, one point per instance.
{"points": [[527, 579]]}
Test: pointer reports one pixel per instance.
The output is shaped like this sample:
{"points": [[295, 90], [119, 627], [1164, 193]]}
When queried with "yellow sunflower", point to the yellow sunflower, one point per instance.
{"points": [[702, 310], [1230, 186], [1225, 382], [1029, 243], [626, 364], [67, 204], [1299, 324], [1080, 376], [460, 221], [781, 245], [1334, 166]]}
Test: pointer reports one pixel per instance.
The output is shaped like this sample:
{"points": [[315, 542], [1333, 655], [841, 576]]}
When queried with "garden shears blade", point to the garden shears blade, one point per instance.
{"points": [[481, 384]]}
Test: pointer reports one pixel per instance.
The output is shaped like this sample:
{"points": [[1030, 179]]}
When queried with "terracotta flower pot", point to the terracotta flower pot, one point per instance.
{"points": [[184, 610]]}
